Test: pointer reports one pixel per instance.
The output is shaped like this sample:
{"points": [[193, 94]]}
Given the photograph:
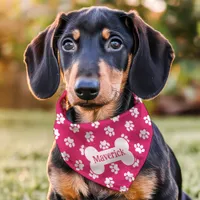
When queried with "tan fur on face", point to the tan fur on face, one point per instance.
{"points": [[110, 83], [110, 80], [70, 79], [125, 74], [106, 33], [68, 185], [76, 34]]}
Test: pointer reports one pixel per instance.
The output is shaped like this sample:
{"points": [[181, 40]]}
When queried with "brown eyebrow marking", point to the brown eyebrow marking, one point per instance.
{"points": [[76, 34], [106, 33]]}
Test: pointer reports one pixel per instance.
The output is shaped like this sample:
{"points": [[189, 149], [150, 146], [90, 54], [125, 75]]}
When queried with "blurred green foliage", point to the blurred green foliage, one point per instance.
{"points": [[21, 20]]}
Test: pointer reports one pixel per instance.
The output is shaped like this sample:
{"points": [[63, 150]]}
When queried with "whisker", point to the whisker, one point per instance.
{"points": [[125, 97]]}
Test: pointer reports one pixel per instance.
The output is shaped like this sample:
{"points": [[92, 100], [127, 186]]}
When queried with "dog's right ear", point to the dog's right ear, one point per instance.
{"points": [[152, 60], [40, 57]]}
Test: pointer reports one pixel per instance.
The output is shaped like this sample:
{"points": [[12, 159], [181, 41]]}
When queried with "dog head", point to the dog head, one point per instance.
{"points": [[98, 52]]}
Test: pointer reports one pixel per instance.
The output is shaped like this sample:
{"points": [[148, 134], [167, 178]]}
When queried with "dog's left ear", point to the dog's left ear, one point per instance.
{"points": [[40, 57], [151, 63]]}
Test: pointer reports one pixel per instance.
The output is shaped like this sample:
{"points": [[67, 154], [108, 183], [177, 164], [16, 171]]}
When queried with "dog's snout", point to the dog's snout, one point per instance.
{"points": [[87, 88]]}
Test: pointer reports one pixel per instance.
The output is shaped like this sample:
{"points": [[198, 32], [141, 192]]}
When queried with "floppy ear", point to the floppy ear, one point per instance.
{"points": [[43, 73], [151, 63]]}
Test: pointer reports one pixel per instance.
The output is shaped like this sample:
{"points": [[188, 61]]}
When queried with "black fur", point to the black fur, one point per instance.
{"points": [[43, 72], [151, 64]]}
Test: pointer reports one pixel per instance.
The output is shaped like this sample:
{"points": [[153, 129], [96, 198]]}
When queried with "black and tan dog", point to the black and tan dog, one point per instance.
{"points": [[104, 56]]}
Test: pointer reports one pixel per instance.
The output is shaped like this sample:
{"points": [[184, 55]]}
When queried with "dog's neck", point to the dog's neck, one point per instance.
{"points": [[81, 115]]}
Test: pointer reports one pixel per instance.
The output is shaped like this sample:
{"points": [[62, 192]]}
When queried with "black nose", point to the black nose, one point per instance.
{"points": [[87, 88]]}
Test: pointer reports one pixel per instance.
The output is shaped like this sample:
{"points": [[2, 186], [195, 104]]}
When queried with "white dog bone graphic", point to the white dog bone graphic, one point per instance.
{"points": [[120, 152]]}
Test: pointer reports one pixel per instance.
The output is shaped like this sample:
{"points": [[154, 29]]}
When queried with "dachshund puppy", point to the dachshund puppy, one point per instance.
{"points": [[103, 57]]}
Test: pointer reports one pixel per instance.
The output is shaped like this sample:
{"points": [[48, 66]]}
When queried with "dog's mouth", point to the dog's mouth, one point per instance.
{"points": [[92, 105], [88, 105]]}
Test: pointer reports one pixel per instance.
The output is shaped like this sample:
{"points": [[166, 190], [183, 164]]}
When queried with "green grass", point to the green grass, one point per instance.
{"points": [[26, 138]]}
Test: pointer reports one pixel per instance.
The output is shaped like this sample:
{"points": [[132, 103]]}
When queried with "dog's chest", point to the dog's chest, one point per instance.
{"points": [[70, 184]]}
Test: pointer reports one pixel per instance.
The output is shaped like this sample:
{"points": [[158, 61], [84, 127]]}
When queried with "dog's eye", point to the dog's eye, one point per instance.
{"points": [[115, 44], [68, 45]]}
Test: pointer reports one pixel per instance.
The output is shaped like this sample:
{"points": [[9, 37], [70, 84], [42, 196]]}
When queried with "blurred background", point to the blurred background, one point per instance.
{"points": [[26, 124], [178, 20]]}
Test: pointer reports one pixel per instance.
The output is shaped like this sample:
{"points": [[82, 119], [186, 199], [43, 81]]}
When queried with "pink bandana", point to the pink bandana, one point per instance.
{"points": [[109, 152]]}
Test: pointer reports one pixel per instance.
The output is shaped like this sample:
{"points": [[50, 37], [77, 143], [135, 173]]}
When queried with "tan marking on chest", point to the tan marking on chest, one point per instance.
{"points": [[68, 185], [142, 188]]}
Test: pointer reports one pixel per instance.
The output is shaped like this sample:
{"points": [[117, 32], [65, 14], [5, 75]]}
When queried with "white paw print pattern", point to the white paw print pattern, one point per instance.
{"points": [[65, 156], [104, 145], [74, 127], [114, 168], [125, 137], [136, 163], [56, 133], [69, 142], [147, 120], [89, 136], [115, 119], [93, 175], [82, 150], [109, 182], [109, 131], [129, 176], [139, 148], [129, 125], [60, 118], [79, 165], [137, 99], [95, 124], [134, 112], [144, 134], [123, 189]]}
